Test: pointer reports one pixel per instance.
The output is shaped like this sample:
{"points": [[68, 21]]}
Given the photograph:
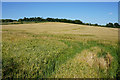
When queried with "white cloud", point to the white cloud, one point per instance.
{"points": [[110, 13]]}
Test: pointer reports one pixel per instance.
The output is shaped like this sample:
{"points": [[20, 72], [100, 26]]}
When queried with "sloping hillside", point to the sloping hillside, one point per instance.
{"points": [[59, 50]]}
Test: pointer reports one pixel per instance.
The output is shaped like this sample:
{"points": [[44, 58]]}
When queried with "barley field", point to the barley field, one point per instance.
{"points": [[59, 50]]}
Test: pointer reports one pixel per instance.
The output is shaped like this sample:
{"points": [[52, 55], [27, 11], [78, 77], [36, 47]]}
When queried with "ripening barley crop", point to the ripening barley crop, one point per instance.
{"points": [[57, 51]]}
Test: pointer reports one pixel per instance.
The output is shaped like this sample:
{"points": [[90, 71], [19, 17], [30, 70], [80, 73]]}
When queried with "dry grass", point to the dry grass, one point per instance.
{"points": [[84, 65], [60, 50], [100, 33], [78, 67]]}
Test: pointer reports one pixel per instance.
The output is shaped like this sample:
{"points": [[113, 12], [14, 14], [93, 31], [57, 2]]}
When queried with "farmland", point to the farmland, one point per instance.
{"points": [[59, 50]]}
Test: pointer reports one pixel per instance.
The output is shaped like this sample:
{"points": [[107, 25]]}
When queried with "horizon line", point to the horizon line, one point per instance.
{"points": [[58, 18], [60, 1]]}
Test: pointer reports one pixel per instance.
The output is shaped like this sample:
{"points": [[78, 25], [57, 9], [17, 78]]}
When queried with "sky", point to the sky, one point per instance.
{"points": [[60, 0], [88, 12]]}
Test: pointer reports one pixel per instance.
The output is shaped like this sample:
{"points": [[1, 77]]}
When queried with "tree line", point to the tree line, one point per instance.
{"points": [[40, 19], [8, 20]]}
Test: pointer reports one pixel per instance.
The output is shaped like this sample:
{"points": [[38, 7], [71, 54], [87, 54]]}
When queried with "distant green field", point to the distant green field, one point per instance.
{"points": [[59, 50]]}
